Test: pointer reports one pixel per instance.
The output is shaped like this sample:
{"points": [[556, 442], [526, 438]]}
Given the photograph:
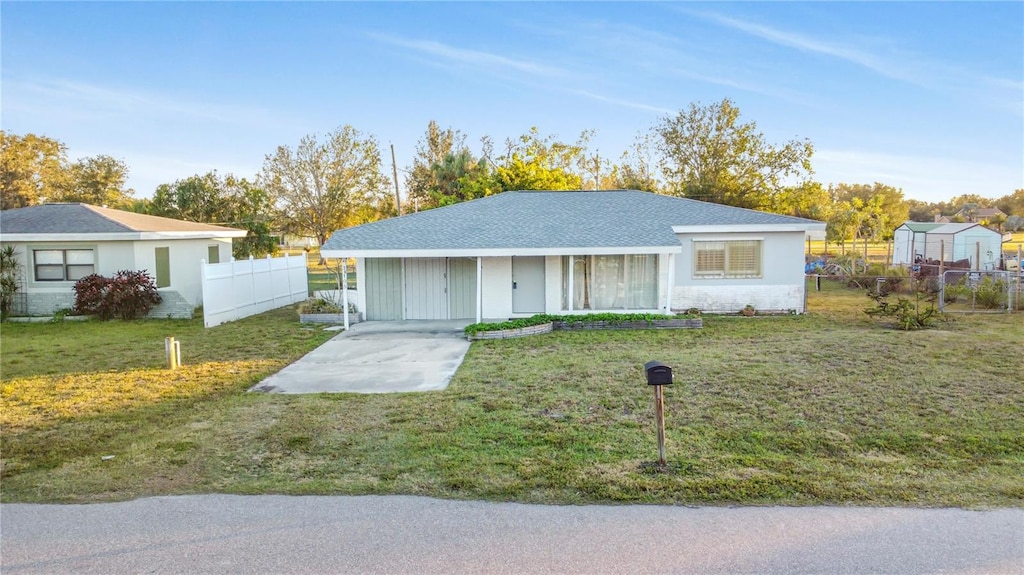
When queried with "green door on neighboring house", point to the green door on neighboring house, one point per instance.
{"points": [[163, 267], [213, 255]]}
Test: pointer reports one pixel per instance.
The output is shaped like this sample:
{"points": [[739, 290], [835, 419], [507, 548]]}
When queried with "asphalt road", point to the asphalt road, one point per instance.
{"points": [[281, 534]]}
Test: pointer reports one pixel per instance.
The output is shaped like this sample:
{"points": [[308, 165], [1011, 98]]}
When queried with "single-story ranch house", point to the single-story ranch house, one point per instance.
{"points": [[516, 254], [58, 244]]}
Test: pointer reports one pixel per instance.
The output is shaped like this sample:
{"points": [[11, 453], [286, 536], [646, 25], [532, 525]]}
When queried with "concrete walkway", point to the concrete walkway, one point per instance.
{"points": [[377, 357], [417, 535]]}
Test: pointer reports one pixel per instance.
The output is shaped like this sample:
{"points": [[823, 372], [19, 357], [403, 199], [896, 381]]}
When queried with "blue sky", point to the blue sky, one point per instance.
{"points": [[925, 96]]}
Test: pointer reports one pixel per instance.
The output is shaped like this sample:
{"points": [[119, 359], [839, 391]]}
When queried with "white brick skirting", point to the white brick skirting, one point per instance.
{"points": [[731, 299]]}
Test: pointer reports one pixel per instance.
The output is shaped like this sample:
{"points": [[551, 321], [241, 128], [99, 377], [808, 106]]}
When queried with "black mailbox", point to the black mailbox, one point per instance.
{"points": [[658, 373]]}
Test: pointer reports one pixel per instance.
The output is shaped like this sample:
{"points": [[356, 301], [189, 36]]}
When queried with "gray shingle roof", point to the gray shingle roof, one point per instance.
{"points": [[539, 219], [79, 219]]}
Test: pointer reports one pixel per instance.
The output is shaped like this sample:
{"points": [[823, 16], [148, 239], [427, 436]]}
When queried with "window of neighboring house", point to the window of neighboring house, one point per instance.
{"points": [[163, 267], [611, 282], [212, 255], [63, 265], [728, 259]]}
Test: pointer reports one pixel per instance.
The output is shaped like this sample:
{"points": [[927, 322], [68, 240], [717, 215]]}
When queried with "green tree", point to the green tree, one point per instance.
{"points": [[33, 169], [194, 199], [421, 182], [460, 177], [1012, 204], [97, 180], [883, 205], [535, 162], [842, 224], [226, 201], [808, 200], [637, 168], [323, 186], [708, 154], [920, 211]]}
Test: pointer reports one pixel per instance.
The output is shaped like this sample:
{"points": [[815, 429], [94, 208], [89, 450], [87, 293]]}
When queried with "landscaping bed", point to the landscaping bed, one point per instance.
{"points": [[544, 323]]}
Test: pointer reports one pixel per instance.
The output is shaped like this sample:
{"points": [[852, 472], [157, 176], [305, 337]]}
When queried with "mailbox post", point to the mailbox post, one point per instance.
{"points": [[658, 375]]}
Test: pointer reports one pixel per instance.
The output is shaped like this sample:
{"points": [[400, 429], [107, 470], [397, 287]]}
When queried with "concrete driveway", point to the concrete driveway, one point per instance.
{"points": [[377, 357]]}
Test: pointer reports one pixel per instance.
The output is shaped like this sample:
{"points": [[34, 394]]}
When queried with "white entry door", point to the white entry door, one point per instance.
{"points": [[528, 284], [426, 288]]}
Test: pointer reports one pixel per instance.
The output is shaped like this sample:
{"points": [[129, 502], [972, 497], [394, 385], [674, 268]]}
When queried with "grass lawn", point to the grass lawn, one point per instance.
{"points": [[828, 407]]}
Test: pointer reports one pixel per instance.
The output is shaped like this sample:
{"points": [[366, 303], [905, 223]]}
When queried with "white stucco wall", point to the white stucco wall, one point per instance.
{"points": [[185, 258], [781, 287], [112, 256]]}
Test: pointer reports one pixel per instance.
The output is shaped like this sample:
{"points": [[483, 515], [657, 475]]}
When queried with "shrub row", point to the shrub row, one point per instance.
{"points": [[607, 317]]}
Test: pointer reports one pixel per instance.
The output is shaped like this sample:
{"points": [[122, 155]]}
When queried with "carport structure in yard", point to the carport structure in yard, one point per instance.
{"points": [[914, 242]]}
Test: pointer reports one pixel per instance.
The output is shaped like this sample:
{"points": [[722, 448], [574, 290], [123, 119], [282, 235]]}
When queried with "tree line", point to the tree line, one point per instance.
{"points": [[336, 180]]}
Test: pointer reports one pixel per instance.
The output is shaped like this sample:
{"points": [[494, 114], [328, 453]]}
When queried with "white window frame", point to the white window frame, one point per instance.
{"points": [[723, 272], [64, 265]]}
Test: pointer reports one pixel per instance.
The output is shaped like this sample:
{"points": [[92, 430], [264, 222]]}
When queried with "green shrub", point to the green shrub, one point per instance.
{"points": [[991, 293], [539, 319], [909, 314]]}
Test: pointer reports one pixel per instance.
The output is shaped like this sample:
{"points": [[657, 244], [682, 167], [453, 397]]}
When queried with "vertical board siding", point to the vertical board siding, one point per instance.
{"points": [[383, 289], [462, 282], [426, 293]]}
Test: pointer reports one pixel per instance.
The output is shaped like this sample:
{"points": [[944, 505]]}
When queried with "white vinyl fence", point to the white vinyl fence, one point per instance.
{"points": [[240, 288]]}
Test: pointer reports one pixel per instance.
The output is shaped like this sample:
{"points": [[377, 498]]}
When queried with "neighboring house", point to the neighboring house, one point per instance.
{"points": [[61, 243], [974, 214], [516, 254], [917, 241]]}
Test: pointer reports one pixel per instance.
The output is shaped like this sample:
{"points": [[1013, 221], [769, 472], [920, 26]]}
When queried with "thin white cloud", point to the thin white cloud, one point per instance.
{"points": [[807, 44], [528, 71], [1000, 93], [635, 48], [472, 57], [71, 97], [624, 103]]}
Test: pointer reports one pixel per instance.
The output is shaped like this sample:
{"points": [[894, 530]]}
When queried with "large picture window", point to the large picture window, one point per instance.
{"points": [[728, 259], [63, 265], [611, 282]]}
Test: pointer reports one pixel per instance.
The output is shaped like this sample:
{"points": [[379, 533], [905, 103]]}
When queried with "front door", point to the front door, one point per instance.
{"points": [[528, 284]]}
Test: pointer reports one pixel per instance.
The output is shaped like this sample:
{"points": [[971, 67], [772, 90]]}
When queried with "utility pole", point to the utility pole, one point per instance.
{"points": [[394, 170]]}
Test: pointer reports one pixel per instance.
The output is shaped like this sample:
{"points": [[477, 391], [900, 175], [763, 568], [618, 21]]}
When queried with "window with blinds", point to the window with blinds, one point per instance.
{"points": [[63, 265], [728, 259]]}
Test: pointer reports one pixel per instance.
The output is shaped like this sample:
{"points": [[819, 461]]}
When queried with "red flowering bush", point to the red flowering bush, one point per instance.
{"points": [[127, 295]]}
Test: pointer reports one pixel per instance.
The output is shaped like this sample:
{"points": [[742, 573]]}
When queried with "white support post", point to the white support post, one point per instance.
{"points": [[344, 289], [571, 290], [479, 289], [671, 282]]}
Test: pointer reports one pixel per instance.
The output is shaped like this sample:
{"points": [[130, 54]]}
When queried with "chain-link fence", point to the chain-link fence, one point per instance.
{"points": [[978, 291]]}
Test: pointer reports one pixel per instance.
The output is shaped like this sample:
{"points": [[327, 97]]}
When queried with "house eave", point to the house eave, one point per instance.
{"points": [[498, 252], [122, 236], [809, 227]]}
